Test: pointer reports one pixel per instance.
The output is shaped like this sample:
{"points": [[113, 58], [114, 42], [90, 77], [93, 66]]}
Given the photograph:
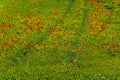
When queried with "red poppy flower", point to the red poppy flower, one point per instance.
{"points": [[113, 38], [116, 51], [103, 46], [16, 40], [79, 50], [100, 30], [117, 45], [30, 27], [107, 43], [3, 25], [28, 44], [36, 49], [6, 43], [55, 14], [39, 23]]}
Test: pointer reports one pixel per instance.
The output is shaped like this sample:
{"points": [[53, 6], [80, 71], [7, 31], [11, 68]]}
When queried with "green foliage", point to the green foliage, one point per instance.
{"points": [[59, 40]]}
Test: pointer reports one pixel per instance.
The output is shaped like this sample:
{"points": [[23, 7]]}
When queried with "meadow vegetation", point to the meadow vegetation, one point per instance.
{"points": [[59, 40]]}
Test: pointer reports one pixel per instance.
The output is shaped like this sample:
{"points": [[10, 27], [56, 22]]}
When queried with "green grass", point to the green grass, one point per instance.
{"points": [[59, 40]]}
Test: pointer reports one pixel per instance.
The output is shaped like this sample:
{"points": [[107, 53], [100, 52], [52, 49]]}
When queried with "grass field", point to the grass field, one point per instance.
{"points": [[59, 40]]}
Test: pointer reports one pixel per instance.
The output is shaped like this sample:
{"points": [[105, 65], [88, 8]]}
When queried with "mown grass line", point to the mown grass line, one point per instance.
{"points": [[66, 12]]}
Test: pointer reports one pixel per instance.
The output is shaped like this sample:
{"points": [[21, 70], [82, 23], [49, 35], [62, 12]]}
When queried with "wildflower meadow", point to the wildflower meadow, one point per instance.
{"points": [[59, 39]]}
